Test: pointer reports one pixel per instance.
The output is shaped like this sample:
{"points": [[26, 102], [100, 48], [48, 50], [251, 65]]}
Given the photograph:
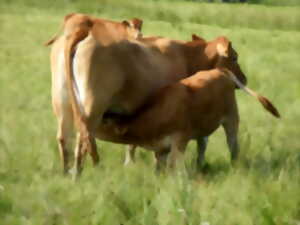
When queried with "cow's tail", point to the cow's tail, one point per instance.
{"points": [[263, 100], [54, 38], [78, 111]]}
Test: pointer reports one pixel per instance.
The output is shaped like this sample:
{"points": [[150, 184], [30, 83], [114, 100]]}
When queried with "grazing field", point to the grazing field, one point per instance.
{"points": [[263, 188]]}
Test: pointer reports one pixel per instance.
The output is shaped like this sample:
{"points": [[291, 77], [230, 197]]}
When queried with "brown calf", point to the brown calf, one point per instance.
{"points": [[190, 109]]}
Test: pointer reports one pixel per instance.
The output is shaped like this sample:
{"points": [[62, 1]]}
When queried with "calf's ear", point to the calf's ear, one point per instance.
{"points": [[223, 45]]}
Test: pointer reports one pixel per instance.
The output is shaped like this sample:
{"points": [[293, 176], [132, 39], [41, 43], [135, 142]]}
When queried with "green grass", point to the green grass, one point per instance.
{"points": [[264, 186]]}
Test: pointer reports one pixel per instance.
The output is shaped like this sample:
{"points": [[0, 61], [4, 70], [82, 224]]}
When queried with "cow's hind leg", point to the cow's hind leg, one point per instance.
{"points": [[98, 84], [64, 139], [79, 154], [91, 148], [86, 141], [84, 145]]}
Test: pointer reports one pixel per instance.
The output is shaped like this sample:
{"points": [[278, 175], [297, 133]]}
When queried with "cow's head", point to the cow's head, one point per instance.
{"points": [[227, 58], [133, 27], [216, 53]]}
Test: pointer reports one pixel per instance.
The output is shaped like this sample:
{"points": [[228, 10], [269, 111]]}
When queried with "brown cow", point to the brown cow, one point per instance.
{"points": [[118, 77], [192, 108], [60, 100]]}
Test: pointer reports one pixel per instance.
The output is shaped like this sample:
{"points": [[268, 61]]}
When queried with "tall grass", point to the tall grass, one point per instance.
{"points": [[225, 15], [262, 188]]}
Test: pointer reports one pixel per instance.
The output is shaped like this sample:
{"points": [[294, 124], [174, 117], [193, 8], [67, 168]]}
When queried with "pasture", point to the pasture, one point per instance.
{"points": [[263, 188]]}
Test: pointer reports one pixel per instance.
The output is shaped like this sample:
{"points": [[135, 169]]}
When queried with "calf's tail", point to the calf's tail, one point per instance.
{"points": [[263, 100]]}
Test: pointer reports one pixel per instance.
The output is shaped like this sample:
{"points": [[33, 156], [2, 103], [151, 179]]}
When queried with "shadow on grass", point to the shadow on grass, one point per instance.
{"points": [[262, 166], [209, 170]]}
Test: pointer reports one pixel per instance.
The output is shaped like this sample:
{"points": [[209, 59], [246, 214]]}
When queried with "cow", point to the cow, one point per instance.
{"points": [[107, 77], [192, 108], [60, 100]]}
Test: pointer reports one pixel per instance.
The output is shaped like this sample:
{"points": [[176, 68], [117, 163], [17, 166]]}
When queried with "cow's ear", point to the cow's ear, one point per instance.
{"points": [[137, 23], [197, 38], [223, 45]]}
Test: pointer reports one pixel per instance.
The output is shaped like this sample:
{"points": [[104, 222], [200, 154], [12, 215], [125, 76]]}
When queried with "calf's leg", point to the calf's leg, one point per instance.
{"points": [[231, 131], [176, 156], [201, 148], [130, 154]]}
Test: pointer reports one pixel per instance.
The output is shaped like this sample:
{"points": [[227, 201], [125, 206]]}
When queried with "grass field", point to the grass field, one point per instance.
{"points": [[262, 189]]}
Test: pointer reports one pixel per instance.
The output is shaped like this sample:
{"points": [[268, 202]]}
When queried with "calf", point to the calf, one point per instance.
{"points": [[192, 108]]}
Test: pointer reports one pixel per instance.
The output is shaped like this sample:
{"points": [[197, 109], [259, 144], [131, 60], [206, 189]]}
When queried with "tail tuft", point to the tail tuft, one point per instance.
{"points": [[268, 106]]}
